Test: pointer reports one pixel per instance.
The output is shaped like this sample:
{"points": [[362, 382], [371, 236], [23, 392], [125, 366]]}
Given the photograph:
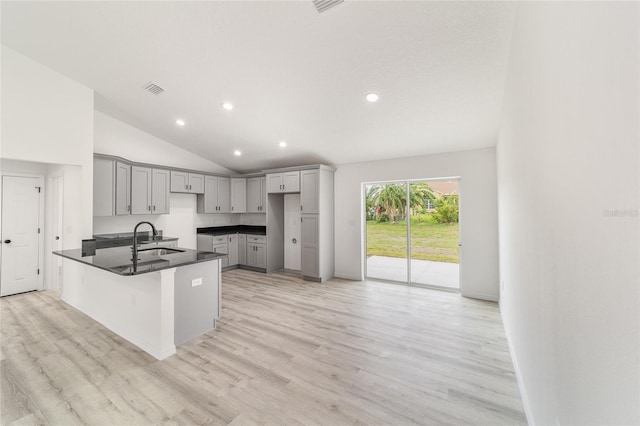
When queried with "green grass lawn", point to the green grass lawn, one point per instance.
{"points": [[429, 240]]}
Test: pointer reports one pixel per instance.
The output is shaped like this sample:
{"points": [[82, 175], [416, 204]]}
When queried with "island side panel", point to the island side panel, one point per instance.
{"points": [[196, 305], [136, 308]]}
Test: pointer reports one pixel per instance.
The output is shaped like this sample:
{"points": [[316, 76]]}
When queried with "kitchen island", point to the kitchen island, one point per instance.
{"points": [[161, 298]]}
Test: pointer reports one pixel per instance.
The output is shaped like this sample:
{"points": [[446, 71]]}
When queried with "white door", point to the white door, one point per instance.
{"points": [[292, 253], [20, 239]]}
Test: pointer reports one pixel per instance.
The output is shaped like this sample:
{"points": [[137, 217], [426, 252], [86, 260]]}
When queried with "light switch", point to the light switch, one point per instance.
{"points": [[195, 282]]}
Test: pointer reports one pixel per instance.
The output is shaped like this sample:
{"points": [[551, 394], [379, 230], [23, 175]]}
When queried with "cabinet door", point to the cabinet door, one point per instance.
{"points": [[309, 191], [103, 187], [123, 188], [238, 195], [224, 195], [309, 237], [222, 248], [140, 190], [242, 249], [291, 182], [160, 191], [179, 181], [233, 249], [263, 196], [254, 194], [275, 184], [261, 256], [196, 183], [210, 201], [251, 254]]}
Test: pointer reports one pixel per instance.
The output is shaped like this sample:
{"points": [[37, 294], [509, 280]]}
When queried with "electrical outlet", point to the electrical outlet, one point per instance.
{"points": [[196, 282]]}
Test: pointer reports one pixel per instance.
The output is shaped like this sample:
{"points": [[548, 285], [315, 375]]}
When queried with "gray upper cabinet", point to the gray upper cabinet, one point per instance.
{"points": [[149, 190], [191, 183], [160, 191], [123, 188], [257, 194], [278, 183], [216, 197], [310, 191], [238, 195], [140, 190], [196, 183], [104, 179]]}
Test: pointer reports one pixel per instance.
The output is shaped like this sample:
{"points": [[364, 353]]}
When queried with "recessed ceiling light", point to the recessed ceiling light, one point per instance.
{"points": [[227, 105], [282, 144], [372, 97], [237, 153], [180, 122]]}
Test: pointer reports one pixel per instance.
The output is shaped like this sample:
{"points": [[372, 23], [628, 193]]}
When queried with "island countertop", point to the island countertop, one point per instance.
{"points": [[118, 259]]}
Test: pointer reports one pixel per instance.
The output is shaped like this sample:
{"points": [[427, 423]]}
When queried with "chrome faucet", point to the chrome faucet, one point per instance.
{"points": [[135, 238]]}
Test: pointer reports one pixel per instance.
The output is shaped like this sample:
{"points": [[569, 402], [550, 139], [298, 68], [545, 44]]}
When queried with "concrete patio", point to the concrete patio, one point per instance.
{"points": [[440, 274]]}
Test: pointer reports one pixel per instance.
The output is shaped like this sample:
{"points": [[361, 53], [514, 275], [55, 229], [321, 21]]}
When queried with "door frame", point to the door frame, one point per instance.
{"points": [[408, 182], [41, 210]]}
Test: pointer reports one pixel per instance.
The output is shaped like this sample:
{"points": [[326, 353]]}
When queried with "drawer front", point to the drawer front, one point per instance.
{"points": [[258, 239], [219, 239]]}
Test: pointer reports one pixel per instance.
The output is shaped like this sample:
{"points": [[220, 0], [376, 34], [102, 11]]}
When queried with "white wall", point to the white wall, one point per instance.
{"points": [[114, 137], [478, 212], [568, 153], [48, 118]]}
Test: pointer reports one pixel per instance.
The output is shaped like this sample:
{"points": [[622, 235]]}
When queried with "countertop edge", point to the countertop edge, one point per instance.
{"points": [[217, 256]]}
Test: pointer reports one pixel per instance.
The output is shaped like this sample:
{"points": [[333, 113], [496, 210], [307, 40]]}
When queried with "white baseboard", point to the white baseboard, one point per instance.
{"points": [[481, 296], [523, 391], [347, 277]]}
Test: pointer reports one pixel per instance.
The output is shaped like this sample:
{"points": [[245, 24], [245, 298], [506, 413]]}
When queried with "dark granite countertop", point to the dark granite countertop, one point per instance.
{"points": [[240, 229], [118, 259], [126, 239]]}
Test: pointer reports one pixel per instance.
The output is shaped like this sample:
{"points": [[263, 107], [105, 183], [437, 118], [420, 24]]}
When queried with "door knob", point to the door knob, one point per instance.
{"points": [[57, 238], [7, 241]]}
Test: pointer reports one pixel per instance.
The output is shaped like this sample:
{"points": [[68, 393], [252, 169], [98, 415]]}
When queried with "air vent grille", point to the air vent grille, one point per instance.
{"points": [[324, 5], [153, 88]]}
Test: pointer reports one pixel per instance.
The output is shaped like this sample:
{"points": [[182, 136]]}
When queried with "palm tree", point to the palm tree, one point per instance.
{"points": [[392, 197]]}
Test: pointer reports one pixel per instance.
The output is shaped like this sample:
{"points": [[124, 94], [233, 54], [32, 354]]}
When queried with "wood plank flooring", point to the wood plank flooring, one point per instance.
{"points": [[286, 352]]}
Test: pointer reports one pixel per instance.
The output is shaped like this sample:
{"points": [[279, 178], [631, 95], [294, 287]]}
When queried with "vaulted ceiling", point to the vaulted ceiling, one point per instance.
{"points": [[291, 73]]}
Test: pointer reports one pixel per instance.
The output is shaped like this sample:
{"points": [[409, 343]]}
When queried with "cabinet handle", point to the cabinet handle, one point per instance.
{"points": [[128, 208], [300, 207], [154, 208], [186, 187], [189, 187], [149, 207]]}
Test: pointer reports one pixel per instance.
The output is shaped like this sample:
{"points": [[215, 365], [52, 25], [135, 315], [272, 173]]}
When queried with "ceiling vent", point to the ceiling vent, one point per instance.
{"points": [[324, 5], [153, 88]]}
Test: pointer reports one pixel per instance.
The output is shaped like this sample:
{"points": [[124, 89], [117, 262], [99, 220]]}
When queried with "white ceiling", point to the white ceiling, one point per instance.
{"points": [[291, 73]]}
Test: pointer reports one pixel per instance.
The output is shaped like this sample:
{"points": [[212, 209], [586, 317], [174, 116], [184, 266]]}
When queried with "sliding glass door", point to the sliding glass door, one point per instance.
{"points": [[412, 232], [386, 232]]}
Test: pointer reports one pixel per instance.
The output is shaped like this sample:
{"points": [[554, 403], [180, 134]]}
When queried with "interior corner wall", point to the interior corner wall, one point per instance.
{"points": [[48, 118], [478, 212], [568, 196]]}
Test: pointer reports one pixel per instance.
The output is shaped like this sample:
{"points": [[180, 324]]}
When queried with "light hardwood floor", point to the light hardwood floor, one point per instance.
{"points": [[286, 352]]}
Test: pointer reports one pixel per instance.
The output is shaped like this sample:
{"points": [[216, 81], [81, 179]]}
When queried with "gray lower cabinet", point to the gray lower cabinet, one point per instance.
{"points": [[310, 245], [233, 249], [257, 251], [242, 249]]}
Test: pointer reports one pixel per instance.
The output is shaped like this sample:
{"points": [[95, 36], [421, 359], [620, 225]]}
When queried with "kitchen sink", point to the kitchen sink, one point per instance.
{"points": [[160, 251]]}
